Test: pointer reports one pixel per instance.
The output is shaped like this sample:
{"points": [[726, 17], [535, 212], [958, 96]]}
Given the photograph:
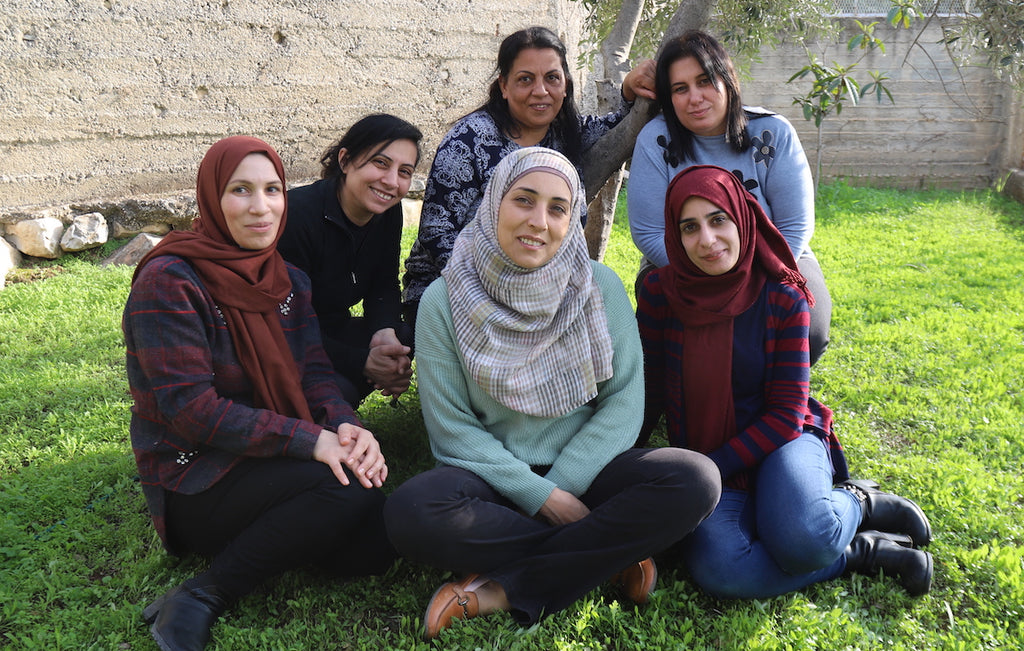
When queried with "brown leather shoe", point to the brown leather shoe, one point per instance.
{"points": [[451, 601], [638, 580]]}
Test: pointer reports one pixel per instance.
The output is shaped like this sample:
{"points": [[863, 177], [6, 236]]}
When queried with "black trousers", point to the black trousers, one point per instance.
{"points": [[641, 503], [267, 516]]}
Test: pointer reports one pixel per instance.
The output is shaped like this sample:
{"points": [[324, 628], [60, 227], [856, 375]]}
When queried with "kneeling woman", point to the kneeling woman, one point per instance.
{"points": [[246, 449], [530, 372], [724, 327]]}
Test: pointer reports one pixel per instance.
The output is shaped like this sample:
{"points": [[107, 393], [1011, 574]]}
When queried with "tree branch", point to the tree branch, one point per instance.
{"points": [[610, 152]]}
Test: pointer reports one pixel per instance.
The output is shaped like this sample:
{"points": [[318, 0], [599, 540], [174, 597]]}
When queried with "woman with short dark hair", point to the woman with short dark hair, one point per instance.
{"points": [[345, 232]]}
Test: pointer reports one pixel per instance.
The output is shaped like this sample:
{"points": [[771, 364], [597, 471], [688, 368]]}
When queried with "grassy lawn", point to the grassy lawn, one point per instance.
{"points": [[924, 373]]}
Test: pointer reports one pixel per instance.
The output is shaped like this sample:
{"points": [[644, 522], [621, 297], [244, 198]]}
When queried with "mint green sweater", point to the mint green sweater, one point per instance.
{"points": [[469, 429]]}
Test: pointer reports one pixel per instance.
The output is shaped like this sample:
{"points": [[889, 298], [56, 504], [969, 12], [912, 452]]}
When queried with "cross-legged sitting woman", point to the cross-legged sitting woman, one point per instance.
{"points": [[724, 328], [531, 372], [246, 449]]}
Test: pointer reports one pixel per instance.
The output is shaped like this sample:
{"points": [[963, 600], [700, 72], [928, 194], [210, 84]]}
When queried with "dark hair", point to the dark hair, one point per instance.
{"points": [[369, 132], [716, 64], [566, 124]]}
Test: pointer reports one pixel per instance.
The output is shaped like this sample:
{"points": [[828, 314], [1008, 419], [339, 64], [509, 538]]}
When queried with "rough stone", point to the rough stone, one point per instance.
{"points": [[63, 213], [132, 252], [85, 232], [37, 237], [151, 215], [121, 232], [10, 259]]}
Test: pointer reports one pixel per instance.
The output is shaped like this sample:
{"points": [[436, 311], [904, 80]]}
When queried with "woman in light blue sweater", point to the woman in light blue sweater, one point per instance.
{"points": [[703, 122], [531, 381]]}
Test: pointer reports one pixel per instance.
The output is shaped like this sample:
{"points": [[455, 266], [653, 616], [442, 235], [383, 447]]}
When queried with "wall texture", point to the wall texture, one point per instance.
{"points": [[106, 99], [948, 128], [113, 98]]}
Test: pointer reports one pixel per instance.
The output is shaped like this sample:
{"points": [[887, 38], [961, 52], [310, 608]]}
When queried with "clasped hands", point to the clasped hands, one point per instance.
{"points": [[388, 366], [355, 448]]}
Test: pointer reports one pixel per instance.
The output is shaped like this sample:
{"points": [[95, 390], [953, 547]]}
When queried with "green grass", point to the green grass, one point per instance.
{"points": [[924, 373]]}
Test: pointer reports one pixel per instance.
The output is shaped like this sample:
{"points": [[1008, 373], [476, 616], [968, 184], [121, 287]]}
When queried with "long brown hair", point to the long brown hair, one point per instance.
{"points": [[716, 64]]}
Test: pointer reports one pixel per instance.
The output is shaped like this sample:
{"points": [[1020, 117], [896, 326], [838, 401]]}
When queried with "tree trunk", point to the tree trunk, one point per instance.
{"points": [[601, 216], [610, 68]]}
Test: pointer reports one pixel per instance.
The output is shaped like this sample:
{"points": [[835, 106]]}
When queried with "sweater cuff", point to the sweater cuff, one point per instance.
{"points": [[304, 440], [531, 497]]}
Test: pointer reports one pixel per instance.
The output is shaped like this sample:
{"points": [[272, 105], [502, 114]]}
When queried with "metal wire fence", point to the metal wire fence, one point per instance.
{"points": [[882, 7]]}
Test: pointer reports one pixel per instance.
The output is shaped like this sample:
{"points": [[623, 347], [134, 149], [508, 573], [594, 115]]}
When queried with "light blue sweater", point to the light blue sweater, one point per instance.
{"points": [[774, 170], [469, 429]]}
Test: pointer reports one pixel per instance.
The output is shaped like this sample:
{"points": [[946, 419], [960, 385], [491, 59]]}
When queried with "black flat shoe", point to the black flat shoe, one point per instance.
{"points": [[887, 512], [181, 619]]}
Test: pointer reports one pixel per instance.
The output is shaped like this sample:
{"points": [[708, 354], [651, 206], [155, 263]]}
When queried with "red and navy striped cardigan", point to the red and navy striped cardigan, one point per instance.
{"points": [[770, 377]]}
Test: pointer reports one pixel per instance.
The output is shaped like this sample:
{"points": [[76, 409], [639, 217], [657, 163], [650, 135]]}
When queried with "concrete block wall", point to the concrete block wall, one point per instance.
{"points": [[949, 127], [113, 99], [101, 99]]}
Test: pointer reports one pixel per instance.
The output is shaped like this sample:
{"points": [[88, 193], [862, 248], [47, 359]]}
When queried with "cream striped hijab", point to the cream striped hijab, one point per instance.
{"points": [[536, 340]]}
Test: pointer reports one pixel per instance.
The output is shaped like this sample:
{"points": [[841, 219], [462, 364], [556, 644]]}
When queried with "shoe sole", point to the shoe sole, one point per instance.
{"points": [[652, 584], [929, 574]]}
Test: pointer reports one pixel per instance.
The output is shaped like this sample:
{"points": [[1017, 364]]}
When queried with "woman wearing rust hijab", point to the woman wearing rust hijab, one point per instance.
{"points": [[246, 449], [725, 335]]}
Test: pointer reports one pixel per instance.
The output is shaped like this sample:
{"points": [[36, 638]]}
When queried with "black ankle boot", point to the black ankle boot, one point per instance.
{"points": [[871, 551], [181, 619], [888, 512]]}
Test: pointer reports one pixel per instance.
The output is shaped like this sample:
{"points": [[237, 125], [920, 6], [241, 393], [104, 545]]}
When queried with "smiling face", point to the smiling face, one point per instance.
{"points": [[378, 181], [709, 236], [699, 104], [533, 218], [253, 203], [534, 88]]}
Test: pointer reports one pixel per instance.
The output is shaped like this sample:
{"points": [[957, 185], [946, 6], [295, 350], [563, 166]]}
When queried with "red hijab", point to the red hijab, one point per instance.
{"points": [[247, 285], [707, 304]]}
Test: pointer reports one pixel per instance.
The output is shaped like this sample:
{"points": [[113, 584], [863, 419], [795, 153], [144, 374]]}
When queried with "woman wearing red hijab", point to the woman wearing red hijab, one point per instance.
{"points": [[724, 328], [246, 450]]}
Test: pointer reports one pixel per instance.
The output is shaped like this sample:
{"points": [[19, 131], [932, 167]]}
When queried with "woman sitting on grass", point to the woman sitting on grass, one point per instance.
{"points": [[345, 232], [530, 373], [724, 329], [246, 449]]}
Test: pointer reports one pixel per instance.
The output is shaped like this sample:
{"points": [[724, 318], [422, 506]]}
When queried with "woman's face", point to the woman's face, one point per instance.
{"points": [[709, 236], [253, 203], [534, 88], [533, 218], [378, 181], [700, 105]]}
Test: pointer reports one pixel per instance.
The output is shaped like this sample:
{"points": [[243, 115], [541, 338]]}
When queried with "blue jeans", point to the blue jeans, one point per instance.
{"points": [[790, 531]]}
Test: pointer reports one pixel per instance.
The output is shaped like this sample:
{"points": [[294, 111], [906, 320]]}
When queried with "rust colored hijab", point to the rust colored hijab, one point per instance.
{"points": [[707, 305], [247, 285]]}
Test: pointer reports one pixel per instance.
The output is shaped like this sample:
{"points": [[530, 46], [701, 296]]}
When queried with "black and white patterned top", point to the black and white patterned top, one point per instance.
{"points": [[462, 167]]}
